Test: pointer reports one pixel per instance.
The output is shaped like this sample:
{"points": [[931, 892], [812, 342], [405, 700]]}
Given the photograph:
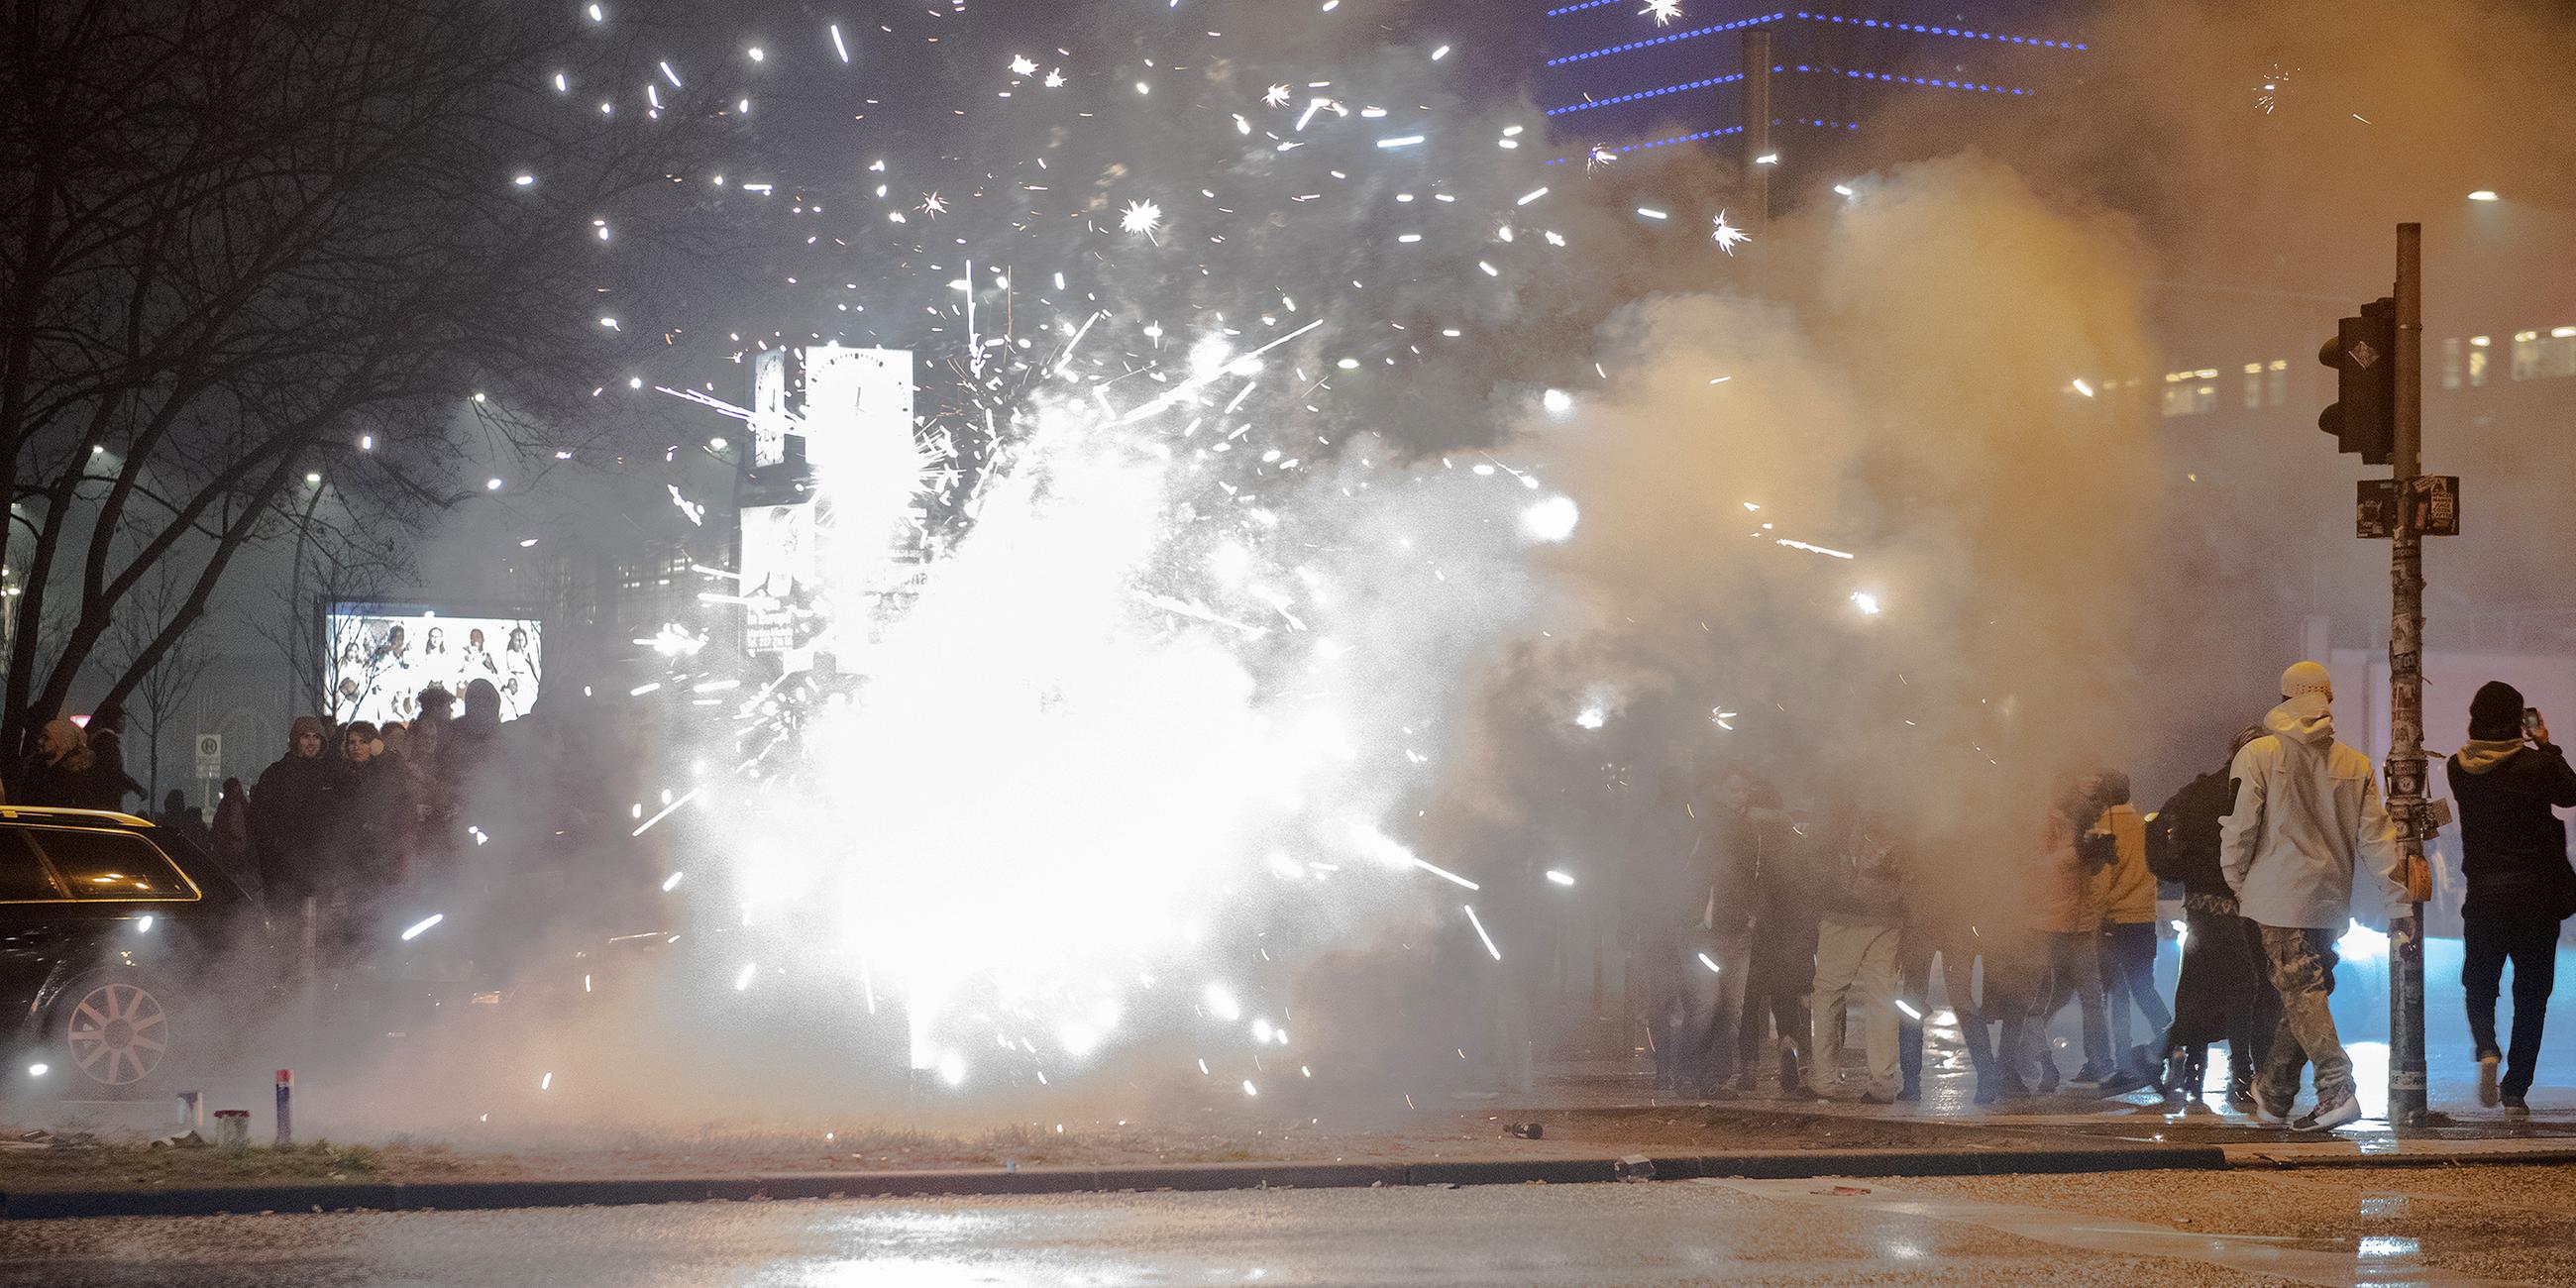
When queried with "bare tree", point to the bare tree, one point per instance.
{"points": [[165, 688], [330, 570], [246, 240]]}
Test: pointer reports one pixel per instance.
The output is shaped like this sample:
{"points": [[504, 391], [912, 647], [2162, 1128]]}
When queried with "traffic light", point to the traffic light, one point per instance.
{"points": [[2363, 353]]}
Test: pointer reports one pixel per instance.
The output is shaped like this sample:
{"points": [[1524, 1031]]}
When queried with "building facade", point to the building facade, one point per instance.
{"points": [[1626, 79]]}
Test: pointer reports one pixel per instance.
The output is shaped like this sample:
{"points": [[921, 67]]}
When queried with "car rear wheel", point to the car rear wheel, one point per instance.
{"points": [[116, 1034]]}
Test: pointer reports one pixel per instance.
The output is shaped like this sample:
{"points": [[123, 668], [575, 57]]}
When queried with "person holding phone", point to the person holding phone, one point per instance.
{"points": [[2507, 778]]}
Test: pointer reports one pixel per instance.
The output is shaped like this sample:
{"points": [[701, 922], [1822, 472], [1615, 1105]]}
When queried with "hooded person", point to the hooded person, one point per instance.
{"points": [[2223, 993], [61, 773], [2506, 779], [2307, 826], [108, 784], [290, 818]]}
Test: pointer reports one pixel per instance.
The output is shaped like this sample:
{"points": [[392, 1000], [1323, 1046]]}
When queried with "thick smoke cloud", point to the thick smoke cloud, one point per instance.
{"points": [[1890, 375]]}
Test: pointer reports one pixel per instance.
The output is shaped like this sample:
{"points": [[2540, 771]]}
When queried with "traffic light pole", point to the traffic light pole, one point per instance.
{"points": [[2406, 1064]]}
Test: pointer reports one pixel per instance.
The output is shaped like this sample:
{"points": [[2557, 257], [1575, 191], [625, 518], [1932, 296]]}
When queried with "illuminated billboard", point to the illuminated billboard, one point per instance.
{"points": [[382, 657], [781, 570]]}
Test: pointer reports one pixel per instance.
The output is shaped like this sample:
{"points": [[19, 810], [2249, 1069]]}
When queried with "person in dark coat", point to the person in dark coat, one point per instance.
{"points": [[371, 807], [2514, 855], [474, 737], [1762, 872], [108, 784], [232, 835], [290, 817], [2224, 993], [1941, 920], [61, 772], [176, 816]]}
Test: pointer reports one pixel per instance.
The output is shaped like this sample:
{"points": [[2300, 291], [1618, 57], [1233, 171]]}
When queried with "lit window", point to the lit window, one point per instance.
{"points": [[2177, 399], [2542, 357], [2526, 354], [2451, 363]]}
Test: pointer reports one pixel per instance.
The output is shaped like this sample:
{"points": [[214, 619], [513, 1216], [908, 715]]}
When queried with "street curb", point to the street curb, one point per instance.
{"points": [[403, 1196], [2251, 1158]]}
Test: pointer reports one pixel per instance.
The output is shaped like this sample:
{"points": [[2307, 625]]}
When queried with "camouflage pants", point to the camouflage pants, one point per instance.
{"points": [[2302, 963]]}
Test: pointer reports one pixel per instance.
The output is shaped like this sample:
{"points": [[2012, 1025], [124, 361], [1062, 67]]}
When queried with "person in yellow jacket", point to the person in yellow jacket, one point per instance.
{"points": [[2124, 892]]}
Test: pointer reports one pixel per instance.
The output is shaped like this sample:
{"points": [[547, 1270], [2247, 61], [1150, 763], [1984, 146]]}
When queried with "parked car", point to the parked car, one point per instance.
{"points": [[111, 931]]}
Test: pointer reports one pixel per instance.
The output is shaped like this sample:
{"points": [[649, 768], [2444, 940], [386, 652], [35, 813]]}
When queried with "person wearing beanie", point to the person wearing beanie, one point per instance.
{"points": [[2306, 824], [2514, 856]]}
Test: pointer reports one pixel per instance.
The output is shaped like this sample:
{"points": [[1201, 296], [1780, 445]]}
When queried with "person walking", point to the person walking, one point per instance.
{"points": [[1862, 916], [2507, 778], [2224, 993], [2125, 892], [2307, 825]]}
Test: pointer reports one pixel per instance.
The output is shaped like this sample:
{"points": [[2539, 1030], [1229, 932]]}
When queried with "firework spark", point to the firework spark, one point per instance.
{"points": [[1728, 236]]}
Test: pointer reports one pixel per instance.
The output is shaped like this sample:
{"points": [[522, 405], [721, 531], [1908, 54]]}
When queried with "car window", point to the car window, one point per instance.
{"points": [[22, 874], [99, 864]]}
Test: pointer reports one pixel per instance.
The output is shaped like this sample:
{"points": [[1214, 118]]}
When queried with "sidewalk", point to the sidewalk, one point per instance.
{"points": [[1595, 1124]]}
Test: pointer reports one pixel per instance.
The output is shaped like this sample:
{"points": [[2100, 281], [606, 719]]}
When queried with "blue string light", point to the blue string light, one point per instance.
{"points": [[1935, 83], [1668, 39], [1711, 134], [1929, 30], [1889, 24], [1683, 88]]}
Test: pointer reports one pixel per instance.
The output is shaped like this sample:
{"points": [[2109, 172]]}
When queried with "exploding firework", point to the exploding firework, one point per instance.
{"points": [[1126, 726]]}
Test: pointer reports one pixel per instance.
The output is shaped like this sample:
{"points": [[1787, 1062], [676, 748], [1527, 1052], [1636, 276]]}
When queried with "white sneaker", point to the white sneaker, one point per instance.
{"points": [[2269, 1116], [2487, 1093], [2327, 1117]]}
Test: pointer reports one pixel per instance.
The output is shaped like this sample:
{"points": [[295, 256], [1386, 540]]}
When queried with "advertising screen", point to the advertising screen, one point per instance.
{"points": [[780, 569], [383, 656]]}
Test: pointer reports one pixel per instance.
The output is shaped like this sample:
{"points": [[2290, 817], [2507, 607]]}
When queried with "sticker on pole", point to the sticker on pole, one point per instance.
{"points": [[2434, 506]]}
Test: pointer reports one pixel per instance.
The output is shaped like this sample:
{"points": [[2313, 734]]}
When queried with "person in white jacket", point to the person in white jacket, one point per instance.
{"points": [[2307, 821]]}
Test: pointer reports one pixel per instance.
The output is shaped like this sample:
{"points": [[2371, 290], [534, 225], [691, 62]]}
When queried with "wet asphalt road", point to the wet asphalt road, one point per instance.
{"points": [[2509, 1224]]}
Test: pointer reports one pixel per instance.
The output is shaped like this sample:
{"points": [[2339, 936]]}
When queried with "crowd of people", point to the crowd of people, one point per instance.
{"points": [[1805, 928], [458, 805], [1780, 928]]}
